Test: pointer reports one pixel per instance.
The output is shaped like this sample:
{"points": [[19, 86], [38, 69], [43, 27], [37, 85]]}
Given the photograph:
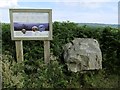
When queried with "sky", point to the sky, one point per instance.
{"points": [[79, 11]]}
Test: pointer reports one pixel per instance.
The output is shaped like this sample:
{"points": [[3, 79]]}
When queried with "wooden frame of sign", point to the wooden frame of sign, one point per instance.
{"points": [[31, 24]]}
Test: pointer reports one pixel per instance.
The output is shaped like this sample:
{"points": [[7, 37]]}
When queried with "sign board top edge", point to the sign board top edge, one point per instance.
{"points": [[26, 9]]}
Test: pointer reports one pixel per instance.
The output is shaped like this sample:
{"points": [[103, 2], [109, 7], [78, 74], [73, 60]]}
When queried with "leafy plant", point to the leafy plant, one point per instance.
{"points": [[33, 73], [12, 78]]}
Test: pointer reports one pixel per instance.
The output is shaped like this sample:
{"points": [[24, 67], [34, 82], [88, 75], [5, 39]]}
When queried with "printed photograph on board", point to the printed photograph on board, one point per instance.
{"points": [[31, 24]]}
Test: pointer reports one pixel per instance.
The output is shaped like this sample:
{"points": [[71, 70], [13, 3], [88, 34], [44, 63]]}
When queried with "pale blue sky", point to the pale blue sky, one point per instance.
{"points": [[96, 11]]}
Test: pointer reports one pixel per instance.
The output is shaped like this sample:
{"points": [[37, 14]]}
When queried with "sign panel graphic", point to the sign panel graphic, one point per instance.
{"points": [[31, 24]]}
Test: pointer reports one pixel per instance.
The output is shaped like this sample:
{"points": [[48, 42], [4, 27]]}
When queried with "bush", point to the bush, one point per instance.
{"points": [[37, 74], [12, 76]]}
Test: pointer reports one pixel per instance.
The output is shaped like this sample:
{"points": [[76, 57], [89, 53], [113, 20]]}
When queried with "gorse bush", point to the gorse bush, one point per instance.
{"points": [[12, 75], [110, 46], [34, 73]]}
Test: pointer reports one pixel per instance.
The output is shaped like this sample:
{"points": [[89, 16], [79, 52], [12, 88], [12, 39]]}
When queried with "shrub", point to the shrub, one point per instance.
{"points": [[12, 76], [37, 74]]}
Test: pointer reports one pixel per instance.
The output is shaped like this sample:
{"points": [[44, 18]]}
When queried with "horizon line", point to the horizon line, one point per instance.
{"points": [[79, 22]]}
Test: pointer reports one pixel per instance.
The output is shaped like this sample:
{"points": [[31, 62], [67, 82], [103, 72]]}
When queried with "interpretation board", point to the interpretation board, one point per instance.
{"points": [[31, 24]]}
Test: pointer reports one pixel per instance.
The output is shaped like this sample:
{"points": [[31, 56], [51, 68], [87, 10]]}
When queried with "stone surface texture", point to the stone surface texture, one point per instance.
{"points": [[83, 54]]}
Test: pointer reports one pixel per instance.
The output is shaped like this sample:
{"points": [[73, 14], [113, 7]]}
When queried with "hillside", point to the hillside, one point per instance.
{"points": [[98, 25]]}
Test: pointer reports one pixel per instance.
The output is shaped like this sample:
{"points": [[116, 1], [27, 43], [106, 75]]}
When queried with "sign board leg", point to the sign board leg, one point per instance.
{"points": [[19, 51], [46, 52]]}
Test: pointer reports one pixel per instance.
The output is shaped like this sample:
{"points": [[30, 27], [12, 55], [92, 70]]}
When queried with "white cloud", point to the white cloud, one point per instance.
{"points": [[108, 14], [4, 15], [86, 17], [4, 6], [85, 0], [68, 1], [8, 3], [86, 3]]}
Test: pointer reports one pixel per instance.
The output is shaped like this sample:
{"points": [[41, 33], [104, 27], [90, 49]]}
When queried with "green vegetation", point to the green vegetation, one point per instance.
{"points": [[99, 25], [33, 73]]}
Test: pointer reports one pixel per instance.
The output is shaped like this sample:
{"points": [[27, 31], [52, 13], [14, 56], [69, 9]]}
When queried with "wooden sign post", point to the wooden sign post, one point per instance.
{"points": [[31, 24], [46, 52], [19, 51]]}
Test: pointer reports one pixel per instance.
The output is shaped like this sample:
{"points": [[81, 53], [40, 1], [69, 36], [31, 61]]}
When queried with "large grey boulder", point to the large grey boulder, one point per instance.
{"points": [[83, 54]]}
